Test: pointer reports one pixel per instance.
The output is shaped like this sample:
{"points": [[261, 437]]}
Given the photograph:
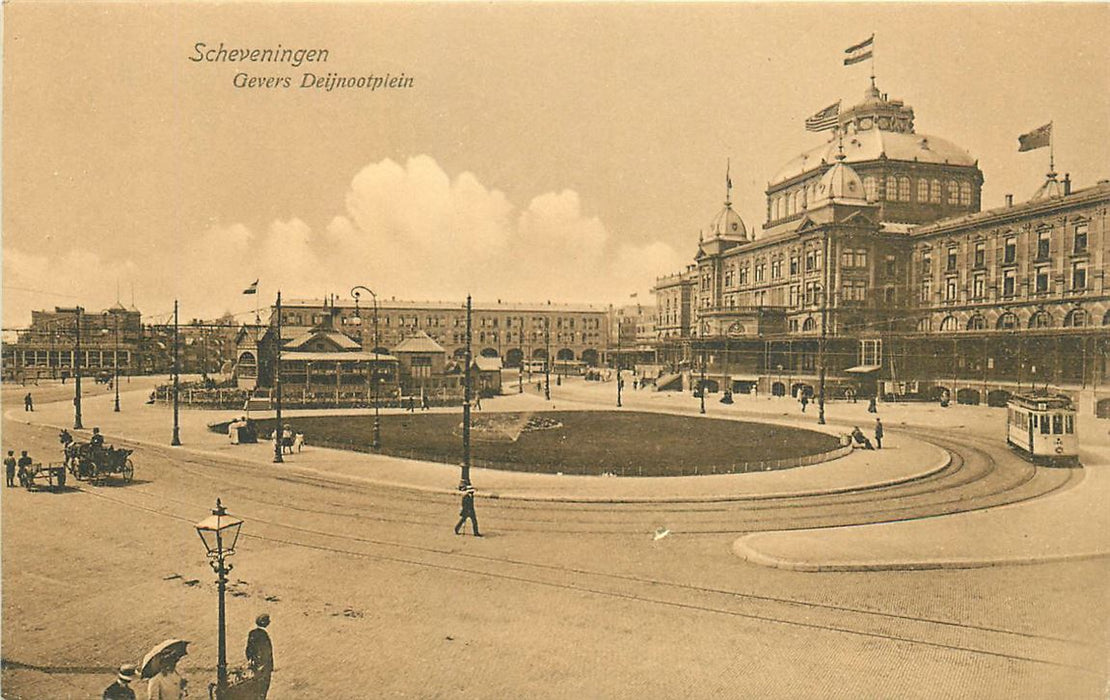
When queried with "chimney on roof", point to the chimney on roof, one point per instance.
{"points": [[1009, 200], [1067, 184]]}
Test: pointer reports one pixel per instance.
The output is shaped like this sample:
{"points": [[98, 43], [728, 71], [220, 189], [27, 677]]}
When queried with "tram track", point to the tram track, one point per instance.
{"points": [[352, 507], [940, 634]]}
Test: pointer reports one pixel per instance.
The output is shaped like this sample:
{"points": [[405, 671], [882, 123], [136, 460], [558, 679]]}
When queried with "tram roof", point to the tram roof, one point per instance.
{"points": [[1041, 402]]}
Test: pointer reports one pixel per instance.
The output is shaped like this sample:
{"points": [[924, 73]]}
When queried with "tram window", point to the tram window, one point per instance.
{"points": [[1046, 428], [1033, 420], [1069, 424], [1057, 424]]}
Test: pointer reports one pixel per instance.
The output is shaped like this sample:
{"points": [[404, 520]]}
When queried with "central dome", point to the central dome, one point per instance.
{"points": [[874, 144]]}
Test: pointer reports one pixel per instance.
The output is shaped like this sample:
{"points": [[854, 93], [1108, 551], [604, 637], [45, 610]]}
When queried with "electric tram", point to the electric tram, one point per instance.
{"points": [[1042, 427]]}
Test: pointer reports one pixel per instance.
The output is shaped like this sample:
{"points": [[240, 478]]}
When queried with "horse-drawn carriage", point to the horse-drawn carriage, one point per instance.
{"points": [[89, 461]]}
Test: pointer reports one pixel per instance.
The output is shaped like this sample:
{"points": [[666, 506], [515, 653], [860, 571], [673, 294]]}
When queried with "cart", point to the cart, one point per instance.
{"points": [[96, 464], [38, 477]]}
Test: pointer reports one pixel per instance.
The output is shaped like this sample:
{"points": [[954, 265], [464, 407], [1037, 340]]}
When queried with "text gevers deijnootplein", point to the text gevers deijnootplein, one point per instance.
{"points": [[294, 58]]}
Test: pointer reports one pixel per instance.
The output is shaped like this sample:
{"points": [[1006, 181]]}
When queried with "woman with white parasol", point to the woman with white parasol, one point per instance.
{"points": [[160, 666]]}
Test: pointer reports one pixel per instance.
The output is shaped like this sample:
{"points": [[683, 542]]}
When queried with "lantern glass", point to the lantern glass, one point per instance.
{"points": [[219, 533]]}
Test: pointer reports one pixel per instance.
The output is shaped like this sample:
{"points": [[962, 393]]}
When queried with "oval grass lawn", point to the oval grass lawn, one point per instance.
{"points": [[583, 442]]}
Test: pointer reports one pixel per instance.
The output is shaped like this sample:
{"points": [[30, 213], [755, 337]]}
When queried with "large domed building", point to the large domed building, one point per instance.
{"points": [[876, 273], [914, 178]]}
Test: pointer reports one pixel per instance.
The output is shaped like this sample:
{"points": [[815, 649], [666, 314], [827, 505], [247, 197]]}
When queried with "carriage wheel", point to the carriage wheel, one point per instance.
{"points": [[128, 471]]}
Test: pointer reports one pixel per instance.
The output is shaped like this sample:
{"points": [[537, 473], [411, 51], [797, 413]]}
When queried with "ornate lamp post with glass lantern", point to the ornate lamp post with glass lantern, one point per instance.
{"points": [[357, 320], [219, 532]]}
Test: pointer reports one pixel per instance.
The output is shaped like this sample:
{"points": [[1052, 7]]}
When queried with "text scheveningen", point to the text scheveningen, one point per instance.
{"points": [[327, 82]]}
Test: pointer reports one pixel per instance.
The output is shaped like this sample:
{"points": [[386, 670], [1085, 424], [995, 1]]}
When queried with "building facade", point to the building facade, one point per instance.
{"points": [[876, 265]]}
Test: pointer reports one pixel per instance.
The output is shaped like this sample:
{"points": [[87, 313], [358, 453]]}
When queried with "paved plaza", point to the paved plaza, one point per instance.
{"points": [[580, 580]]}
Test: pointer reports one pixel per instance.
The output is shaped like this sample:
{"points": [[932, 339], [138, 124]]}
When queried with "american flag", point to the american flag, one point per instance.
{"points": [[825, 119]]}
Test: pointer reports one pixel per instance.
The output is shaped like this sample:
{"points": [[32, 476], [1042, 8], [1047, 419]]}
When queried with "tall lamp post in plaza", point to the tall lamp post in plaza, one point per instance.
{"points": [[547, 358], [115, 357], [466, 400], [377, 443], [701, 385], [219, 533], [619, 362], [176, 380], [278, 459], [520, 367], [77, 310]]}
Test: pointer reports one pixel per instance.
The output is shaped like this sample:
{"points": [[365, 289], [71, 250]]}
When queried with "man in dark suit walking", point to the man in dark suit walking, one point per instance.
{"points": [[467, 510]]}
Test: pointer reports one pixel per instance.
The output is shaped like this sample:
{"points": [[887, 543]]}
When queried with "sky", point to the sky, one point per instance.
{"points": [[568, 153]]}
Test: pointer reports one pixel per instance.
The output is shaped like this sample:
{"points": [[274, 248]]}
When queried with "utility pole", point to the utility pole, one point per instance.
{"points": [[466, 400], [827, 264], [176, 441], [618, 362], [115, 359], [77, 425], [547, 358], [277, 388]]}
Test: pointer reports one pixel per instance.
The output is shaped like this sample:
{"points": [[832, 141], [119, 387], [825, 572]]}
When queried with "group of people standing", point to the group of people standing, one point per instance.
{"points": [[167, 684], [11, 465]]}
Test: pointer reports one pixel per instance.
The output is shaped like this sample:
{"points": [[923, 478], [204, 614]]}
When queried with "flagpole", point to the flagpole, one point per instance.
{"points": [[872, 59], [1051, 151]]}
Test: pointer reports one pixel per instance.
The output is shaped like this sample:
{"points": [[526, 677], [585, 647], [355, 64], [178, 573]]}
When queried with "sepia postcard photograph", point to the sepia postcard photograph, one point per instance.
{"points": [[585, 350]]}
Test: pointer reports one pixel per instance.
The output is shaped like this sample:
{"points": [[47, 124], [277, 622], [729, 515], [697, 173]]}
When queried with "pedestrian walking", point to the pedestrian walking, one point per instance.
{"points": [[9, 467], [871, 406], [260, 654], [28, 403], [410, 405], [478, 401], [120, 689], [805, 402], [878, 433], [467, 510], [424, 402]]}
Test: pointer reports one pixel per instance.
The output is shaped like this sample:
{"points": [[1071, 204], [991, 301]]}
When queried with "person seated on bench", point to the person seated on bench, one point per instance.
{"points": [[861, 439]]}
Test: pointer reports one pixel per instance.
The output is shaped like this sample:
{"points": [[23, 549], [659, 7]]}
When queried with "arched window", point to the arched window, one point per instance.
{"points": [[903, 189], [925, 325], [1040, 320], [949, 324], [776, 208], [923, 190], [934, 192], [1076, 318], [976, 323], [1007, 322], [809, 324], [1106, 319], [965, 194], [953, 192], [870, 188], [891, 188]]}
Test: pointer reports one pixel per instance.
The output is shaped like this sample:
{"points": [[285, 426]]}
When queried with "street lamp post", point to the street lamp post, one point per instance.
{"points": [[176, 380], [377, 443], [547, 358], [618, 363], [115, 360], [219, 533], [466, 400], [278, 459], [701, 387], [77, 310], [520, 367]]}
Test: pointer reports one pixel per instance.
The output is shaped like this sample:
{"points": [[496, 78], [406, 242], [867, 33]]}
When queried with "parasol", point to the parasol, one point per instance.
{"points": [[152, 662]]}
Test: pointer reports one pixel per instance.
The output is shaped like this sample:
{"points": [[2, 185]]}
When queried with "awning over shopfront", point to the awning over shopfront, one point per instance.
{"points": [[863, 369]]}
